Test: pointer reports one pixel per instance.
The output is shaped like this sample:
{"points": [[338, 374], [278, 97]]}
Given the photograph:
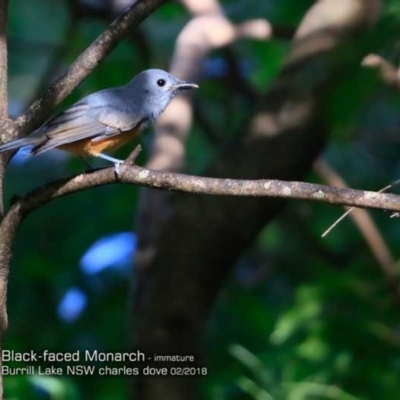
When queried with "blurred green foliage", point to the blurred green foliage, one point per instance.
{"points": [[302, 317]]}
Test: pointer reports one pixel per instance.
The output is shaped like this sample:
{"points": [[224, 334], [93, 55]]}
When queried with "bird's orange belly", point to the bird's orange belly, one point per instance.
{"points": [[88, 147]]}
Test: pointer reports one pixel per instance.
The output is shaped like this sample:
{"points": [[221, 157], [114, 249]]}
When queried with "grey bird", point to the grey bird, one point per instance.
{"points": [[107, 119]]}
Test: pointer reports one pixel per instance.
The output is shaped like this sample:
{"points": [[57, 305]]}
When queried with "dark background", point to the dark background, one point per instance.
{"points": [[300, 317]]}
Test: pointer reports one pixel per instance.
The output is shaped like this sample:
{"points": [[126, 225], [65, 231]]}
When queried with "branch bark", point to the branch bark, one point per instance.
{"points": [[190, 184]]}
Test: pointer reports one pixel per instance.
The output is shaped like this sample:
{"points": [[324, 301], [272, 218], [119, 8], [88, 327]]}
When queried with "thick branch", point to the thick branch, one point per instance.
{"points": [[85, 64], [202, 185]]}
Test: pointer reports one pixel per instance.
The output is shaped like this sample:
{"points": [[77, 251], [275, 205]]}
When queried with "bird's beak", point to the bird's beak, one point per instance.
{"points": [[182, 85]]}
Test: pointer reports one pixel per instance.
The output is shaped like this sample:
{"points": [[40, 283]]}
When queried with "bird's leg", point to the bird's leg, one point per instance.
{"points": [[116, 161]]}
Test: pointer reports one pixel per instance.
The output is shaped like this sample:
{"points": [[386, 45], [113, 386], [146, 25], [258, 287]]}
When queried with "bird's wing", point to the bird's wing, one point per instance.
{"points": [[84, 120], [117, 120]]}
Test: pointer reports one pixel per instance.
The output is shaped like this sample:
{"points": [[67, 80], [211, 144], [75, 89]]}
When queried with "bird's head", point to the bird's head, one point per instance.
{"points": [[155, 88]]}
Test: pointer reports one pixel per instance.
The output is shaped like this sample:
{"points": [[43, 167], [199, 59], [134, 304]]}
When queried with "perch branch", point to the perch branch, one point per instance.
{"points": [[132, 174]]}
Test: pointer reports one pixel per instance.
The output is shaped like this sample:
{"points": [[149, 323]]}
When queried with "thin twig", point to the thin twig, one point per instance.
{"points": [[134, 155], [368, 230], [342, 217]]}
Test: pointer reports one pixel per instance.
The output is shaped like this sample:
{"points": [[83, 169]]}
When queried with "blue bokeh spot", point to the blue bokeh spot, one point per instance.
{"points": [[113, 251], [72, 304]]}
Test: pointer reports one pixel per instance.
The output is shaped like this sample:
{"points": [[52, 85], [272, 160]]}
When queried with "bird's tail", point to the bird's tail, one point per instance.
{"points": [[18, 143]]}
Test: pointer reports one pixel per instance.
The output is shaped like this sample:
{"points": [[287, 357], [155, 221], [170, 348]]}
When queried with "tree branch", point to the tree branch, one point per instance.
{"points": [[132, 174], [85, 64]]}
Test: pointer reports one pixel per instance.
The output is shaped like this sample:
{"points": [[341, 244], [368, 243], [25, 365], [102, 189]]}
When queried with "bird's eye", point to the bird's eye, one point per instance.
{"points": [[161, 82]]}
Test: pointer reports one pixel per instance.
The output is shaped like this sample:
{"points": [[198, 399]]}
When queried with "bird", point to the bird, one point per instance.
{"points": [[106, 120]]}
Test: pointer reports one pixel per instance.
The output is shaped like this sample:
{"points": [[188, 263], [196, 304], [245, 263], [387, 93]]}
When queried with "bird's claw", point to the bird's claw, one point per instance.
{"points": [[117, 168]]}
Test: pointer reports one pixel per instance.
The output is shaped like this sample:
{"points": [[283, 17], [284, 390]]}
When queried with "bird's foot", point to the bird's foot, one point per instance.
{"points": [[117, 168], [115, 161]]}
